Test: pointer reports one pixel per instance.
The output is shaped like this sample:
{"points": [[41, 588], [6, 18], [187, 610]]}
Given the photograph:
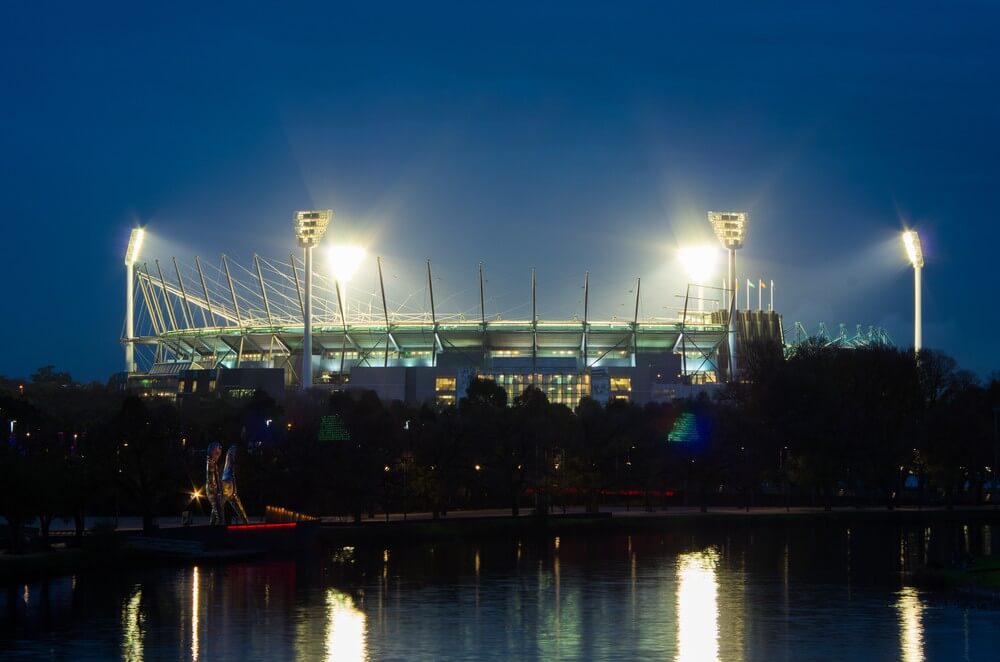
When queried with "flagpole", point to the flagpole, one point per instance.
{"points": [[772, 296], [760, 295]]}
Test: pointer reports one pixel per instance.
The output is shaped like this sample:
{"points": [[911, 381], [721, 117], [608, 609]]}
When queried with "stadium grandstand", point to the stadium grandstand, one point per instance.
{"points": [[235, 328]]}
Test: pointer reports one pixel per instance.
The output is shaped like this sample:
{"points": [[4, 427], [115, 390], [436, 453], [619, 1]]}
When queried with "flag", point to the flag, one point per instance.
{"points": [[763, 285], [749, 284]]}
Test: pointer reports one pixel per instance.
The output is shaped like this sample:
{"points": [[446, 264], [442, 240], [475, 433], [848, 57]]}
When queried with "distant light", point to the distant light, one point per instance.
{"points": [[310, 226], [914, 251], [386, 468], [134, 246], [477, 467], [344, 261], [699, 262], [730, 227]]}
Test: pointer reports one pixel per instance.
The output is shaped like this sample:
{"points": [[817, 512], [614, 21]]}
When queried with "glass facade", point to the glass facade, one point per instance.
{"points": [[560, 388]]}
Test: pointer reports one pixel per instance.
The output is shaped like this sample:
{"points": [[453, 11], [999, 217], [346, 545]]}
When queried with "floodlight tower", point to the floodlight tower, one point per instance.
{"points": [[131, 257], [310, 226], [731, 229], [914, 251]]}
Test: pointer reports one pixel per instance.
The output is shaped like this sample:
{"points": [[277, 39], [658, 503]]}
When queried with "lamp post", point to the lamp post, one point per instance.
{"points": [[911, 240], [310, 226], [731, 230], [131, 257]]}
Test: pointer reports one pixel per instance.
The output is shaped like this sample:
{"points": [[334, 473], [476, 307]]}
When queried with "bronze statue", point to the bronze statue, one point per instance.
{"points": [[229, 492], [213, 485]]}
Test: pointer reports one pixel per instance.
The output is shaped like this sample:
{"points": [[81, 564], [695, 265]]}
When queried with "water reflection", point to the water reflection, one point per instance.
{"points": [[194, 614], [697, 606], [346, 636], [911, 626], [132, 627]]}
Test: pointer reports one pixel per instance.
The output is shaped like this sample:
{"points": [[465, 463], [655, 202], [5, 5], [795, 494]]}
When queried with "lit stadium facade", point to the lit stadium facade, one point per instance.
{"points": [[235, 328]]}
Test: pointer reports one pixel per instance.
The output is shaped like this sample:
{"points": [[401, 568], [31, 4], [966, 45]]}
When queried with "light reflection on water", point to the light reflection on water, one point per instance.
{"points": [[346, 629], [697, 606], [911, 626], [132, 627], [716, 595], [195, 625]]}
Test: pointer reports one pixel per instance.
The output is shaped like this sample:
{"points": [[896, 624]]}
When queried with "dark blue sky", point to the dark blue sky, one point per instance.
{"points": [[565, 136]]}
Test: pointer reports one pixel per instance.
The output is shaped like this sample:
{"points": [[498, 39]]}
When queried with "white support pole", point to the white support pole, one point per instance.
{"points": [[771, 308], [130, 318], [918, 334], [760, 295], [307, 322], [734, 306]]}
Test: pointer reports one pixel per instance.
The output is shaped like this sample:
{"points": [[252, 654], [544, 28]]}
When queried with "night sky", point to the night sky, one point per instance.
{"points": [[563, 136]]}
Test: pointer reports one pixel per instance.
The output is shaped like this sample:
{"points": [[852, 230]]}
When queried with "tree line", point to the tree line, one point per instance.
{"points": [[822, 426]]}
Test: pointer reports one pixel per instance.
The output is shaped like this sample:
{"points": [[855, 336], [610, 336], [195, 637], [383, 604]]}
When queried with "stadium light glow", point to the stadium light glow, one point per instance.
{"points": [[345, 260], [915, 253], [699, 262], [310, 226], [134, 249], [730, 227]]}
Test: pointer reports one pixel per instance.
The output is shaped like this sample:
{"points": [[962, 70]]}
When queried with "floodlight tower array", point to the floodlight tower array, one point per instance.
{"points": [[731, 230], [310, 226], [131, 257], [915, 253]]}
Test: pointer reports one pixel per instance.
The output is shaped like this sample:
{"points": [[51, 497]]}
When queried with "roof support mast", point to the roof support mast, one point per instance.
{"points": [[437, 340], [204, 288], [635, 322], [482, 309], [586, 311], [236, 307], [385, 309], [186, 308], [534, 323], [163, 286]]}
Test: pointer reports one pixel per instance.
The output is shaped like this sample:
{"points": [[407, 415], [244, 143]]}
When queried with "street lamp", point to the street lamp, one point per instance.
{"points": [[131, 257], [911, 240], [310, 226], [699, 262], [731, 230]]}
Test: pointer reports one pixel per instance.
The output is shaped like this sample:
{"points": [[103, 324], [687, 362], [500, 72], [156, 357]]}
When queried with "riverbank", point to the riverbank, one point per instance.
{"points": [[173, 543]]}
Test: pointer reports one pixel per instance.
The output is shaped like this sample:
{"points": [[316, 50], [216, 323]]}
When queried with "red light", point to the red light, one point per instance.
{"points": [[251, 527]]}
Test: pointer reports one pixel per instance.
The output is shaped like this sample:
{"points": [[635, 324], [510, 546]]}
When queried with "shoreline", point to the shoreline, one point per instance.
{"points": [[200, 543]]}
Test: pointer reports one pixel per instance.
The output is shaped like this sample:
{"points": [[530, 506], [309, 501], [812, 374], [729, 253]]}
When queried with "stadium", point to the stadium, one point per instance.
{"points": [[232, 328]]}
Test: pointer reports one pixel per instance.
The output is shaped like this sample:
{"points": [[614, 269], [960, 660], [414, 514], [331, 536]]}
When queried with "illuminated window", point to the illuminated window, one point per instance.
{"points": [[181, 385], [211, 385], [194, 386], [621, 383], [444, 384]]}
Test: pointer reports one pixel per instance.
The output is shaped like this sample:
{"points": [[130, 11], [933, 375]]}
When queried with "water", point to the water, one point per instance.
{"points": [[697, 592]]}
